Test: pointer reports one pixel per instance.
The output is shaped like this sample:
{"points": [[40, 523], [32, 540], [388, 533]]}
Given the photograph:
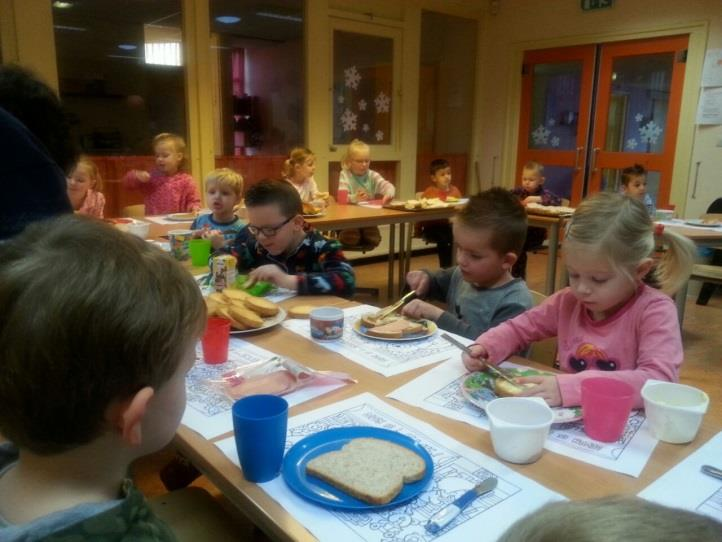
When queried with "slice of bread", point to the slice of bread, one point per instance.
{"points": [[502, 388], [246, 317], [235, 295], [396, 330], [369, 469], [300, 311], [261, 306], [371, 320]]}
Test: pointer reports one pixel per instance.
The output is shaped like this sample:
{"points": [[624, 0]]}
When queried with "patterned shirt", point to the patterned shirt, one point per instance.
{"points": [[165, 194], [228, 229], [547, 197], [317, 262], [93, 204]]}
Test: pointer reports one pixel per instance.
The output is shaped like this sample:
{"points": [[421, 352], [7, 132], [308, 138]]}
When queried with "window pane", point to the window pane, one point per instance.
{"points": [[362, 88], [121, 72], [555, 106], [258, 47], [612, 182]]}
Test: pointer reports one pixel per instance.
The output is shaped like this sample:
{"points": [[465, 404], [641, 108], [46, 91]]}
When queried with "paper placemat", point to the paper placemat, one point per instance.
{"points": [[439, 391], [456, 469], [208, 409], [386, 357], [685, 486]]}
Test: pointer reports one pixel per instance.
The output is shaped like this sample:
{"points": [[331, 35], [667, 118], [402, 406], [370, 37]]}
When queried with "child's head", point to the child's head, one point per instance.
{"points": [[489, 233], [170, 150], [532, 176], [608, 250], [357, 159], [84, 176], [97, 331], [440, 173], [634, 181], [224, 188], [301, 164], [612, 519], [274, 211]]}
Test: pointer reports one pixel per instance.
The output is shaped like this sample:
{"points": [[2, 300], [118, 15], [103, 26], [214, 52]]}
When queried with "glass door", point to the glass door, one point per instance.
{"points": [[554, 123]]}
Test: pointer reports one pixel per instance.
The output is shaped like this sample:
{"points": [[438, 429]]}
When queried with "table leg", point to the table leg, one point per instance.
{"points": [[392, 251], [552, 261]]}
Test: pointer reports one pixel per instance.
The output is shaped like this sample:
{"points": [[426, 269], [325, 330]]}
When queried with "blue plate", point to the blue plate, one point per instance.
{"points": [[319, 492]]}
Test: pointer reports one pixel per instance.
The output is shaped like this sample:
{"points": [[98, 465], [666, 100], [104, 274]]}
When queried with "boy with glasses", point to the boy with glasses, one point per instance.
{"points": [[278, 246]]}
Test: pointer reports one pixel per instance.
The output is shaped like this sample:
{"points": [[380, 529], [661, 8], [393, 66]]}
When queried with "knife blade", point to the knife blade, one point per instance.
{"points": [[714, 472], [493, 370], [445, 516], [383, 313]]}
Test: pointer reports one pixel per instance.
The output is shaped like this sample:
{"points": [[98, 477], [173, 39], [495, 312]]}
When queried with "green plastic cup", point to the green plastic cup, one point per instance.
{"points": [[200, 250]]}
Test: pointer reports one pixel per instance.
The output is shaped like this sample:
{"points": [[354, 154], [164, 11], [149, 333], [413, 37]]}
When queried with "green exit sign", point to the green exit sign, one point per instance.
{"points": [[588, 5]]}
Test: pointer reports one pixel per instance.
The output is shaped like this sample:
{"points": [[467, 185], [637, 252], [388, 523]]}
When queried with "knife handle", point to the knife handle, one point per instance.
{"points": [[443, 517], [709, 470]]}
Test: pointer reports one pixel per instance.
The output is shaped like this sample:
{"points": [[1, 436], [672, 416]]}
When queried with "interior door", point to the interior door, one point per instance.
{"points": [[555, 113], [639, 93]]}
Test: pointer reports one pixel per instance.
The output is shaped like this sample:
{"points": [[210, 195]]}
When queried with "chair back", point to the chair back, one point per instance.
{"points": [[544, 351], [133, 211], [715, 207]]}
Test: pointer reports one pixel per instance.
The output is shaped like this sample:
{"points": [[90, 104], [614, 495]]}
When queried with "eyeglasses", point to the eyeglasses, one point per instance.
{"points": [[269, 231]]}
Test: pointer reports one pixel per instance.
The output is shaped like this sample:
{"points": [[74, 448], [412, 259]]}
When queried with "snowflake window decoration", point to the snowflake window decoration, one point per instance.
{"points": [[650, 132], [555, 141], [362, 105], [551, 122], [352, 77], [365, 127], [340, 99], [540, 136], [348, 120], [379, 135], [638, 117], [631, 143], [382, 102]]}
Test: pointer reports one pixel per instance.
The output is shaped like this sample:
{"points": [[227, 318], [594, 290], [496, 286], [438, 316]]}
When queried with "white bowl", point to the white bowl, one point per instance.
{"points": [[674, 411]]}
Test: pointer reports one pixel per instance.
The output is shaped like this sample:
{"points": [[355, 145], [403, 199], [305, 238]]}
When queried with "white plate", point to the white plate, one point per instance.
{"points": [[267, 323], [698, 222], [322, 213], [181, 217], [431, 328]]}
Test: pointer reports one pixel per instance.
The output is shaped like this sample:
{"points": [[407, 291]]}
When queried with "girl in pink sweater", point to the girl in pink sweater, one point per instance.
{"points": [[166, 188], [607, 319]]}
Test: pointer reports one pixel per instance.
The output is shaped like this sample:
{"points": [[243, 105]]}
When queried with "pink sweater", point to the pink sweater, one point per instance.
{"points": [[166, 194], [640, 341]]}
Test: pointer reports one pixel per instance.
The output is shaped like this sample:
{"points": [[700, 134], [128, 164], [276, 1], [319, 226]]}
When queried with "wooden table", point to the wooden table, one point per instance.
{"points": [[574, 479]]}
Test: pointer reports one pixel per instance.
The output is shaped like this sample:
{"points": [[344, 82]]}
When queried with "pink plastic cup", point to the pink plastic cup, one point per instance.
{"points": [[606, 404], [215, 340], [342, 197]]}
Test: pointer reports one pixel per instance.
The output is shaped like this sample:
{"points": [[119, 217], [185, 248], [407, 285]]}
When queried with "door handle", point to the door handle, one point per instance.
{"points": [[696, 178], [332, 148], [576, 158], [595, 153]]}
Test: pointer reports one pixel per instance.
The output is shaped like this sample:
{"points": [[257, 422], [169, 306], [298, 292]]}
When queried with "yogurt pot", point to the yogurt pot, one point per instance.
{"points": [[674, 411], [179, 243], [326, 323], [519, 427]]}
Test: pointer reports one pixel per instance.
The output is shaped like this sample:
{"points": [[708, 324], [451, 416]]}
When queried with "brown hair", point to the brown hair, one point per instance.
{"points": [[298, 156], [436, 165], [226, 177], [612, 519], [275, 192], [620, 228], [629, 173], [90, 316], [85, 161], [178, 142], [499, 212]]}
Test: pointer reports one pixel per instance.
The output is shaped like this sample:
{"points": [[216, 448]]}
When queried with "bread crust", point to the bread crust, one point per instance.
{"points": [[261, 306]]}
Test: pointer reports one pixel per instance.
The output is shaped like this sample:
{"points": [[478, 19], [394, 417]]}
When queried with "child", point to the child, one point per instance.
{"points": [[439, 231], [612, 519], [277, 246], [479, 292], [532, 191], [224, 188], [607, 319], [166, 189], [84, 184], [298, 170], [362, 184], [634, 185], [84, 395]]}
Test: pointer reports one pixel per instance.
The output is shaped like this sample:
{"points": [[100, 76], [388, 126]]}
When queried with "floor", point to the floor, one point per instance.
{"points": [[701, 333]]}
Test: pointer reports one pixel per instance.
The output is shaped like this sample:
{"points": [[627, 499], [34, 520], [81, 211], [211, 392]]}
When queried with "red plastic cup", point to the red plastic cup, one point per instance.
{"points": [[606, 404], [215, 340], [342, 197]]}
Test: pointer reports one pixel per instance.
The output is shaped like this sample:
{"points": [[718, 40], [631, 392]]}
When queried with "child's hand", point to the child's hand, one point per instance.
{"points": [[142, 176], [531, 199], [217, 240], [274, 274], [422, 309], [361, 195], [476, 359], [547, 388], [386, 199], [419, 281]]}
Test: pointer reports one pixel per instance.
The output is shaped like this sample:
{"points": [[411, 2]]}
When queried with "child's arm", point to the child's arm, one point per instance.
{"points": [[191, 199], [335, 275], [136, 178], [550, 199], [382, 186]]}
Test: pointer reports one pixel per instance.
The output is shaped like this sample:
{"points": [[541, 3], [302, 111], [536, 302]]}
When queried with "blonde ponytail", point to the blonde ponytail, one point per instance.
{"points": [[675, 265]]}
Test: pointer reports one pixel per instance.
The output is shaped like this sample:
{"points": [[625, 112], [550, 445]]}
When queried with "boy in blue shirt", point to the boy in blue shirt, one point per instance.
{"points": [[224, 188]]}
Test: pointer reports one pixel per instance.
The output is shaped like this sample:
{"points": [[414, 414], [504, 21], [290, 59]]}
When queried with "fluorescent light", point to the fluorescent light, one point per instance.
{"points": [[62, 5], [127, 46], [228, 19], [281, 16], [69, 28]]}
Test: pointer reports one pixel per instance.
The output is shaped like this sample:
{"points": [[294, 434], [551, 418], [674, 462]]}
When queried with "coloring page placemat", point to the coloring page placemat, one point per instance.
{"points": [[457, 468]]}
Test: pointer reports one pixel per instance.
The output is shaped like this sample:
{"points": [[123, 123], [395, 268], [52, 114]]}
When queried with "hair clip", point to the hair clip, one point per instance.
{"points": [[658, 229]]}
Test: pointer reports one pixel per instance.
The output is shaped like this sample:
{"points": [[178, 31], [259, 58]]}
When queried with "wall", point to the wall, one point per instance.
{"points": [[521, 24]]}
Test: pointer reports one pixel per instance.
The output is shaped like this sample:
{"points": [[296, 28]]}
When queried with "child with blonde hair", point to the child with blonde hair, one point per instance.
{"points": [[224, 188], [84, 185], [362, 184], [167, 189], [298, 169], [607, 319]]}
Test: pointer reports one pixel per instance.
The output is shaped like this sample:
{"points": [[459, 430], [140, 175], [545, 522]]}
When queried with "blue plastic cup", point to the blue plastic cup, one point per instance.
{"points": [[259, 424]]}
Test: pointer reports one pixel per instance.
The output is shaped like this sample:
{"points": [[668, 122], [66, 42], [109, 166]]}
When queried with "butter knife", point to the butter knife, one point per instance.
{"points": [[714, 472], [490, 368], [383, 313], [445, 516]]}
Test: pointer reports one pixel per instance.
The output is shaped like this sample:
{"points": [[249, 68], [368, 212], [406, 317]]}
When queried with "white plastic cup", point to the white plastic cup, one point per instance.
{"points": [[139, 229], [674, 411], [519, 427]]}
